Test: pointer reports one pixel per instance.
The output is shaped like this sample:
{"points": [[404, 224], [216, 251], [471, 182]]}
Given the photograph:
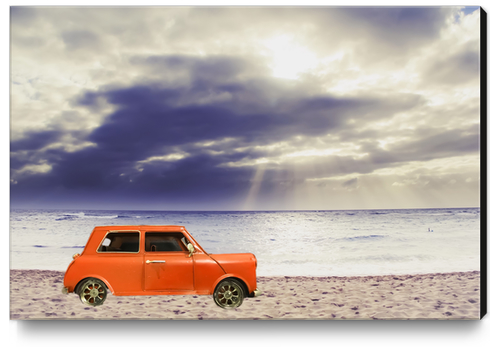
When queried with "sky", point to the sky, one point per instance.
{"points": [[244, 108]]}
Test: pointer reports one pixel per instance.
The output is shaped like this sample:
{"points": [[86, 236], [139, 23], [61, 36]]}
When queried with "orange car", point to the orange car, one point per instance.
{"points": [[157, 260]]}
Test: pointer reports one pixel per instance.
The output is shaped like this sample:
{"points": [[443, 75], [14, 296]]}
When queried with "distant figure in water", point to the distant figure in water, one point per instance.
{"points": [[430, 231]]}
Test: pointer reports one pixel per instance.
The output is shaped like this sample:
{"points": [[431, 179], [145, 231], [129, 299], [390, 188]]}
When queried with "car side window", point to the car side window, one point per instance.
{"points": [[164, 242], [121, 242]]}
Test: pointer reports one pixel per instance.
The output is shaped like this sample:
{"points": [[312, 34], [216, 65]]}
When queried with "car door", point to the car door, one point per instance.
{"points": [[167, 265], [118, 259]]}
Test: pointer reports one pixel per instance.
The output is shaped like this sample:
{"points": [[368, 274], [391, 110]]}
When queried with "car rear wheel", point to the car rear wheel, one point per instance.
{"points": [[92, 292], [228, 294]]}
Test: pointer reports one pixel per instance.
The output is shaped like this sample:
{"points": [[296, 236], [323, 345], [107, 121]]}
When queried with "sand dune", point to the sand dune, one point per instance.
{"points": [[36, 294]]}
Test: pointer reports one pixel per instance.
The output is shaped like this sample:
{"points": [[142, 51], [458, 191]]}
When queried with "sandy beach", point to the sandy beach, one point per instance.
{"points": [[36, 295]]}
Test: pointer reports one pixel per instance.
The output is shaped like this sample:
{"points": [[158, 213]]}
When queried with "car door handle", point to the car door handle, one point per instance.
{"points": [[155, 261]]}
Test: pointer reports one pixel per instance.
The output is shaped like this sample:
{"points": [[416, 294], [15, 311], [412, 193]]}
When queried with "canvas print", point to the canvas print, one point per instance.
{"points": [[270, 163]]}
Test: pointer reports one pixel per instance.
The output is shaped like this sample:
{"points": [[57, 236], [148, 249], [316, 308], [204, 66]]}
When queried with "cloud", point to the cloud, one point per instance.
{"points": [[183, 104], [35, 140], [22, 15], [154, 120], [458, 68], [399, 26], [80, 39], [152, 115], [350, 183]]}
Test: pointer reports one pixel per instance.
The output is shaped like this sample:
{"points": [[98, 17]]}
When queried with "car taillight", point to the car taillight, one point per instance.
{"points": [[75, 256]]}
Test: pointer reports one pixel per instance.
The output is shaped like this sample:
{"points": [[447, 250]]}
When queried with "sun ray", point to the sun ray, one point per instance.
{"points": [[250, 201]]}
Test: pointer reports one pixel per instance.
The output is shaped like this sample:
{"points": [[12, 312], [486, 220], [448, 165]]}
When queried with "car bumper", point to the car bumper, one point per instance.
{"points": [[64, 290], [256, 292]]}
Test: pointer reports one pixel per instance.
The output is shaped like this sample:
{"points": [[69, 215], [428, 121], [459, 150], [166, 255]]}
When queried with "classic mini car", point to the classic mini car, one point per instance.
{"points": [[157, 260]]}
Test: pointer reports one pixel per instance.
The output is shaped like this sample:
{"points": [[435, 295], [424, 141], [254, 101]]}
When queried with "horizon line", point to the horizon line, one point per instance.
{"points": [[283, 210]]}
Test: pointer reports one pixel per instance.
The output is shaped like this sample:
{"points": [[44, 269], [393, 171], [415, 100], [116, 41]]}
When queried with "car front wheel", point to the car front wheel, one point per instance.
{"points": [[228, 294], [92, 292]]}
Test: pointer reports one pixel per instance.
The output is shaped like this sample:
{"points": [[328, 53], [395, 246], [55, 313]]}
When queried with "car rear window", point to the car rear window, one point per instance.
{"points": [[121, 242]]}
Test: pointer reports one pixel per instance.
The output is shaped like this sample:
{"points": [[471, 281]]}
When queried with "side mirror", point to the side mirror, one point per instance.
{"points": [[191, 249]]}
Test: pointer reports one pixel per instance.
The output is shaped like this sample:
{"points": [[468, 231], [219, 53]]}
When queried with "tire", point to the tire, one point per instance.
{"points": [[229, 294], [92, 292]]}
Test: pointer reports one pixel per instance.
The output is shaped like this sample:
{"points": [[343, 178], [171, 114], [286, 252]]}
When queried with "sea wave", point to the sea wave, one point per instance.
{"points": [[66, 218], [76, 216], [103, 217], [363, 238]]}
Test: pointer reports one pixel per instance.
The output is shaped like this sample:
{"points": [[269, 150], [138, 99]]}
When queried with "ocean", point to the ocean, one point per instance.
{"points": [[286, 243]]}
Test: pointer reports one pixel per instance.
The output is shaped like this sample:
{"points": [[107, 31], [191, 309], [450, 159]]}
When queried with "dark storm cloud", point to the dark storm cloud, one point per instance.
{"points": [[101, 172], [150, 117], [35, 140], [196, 174], [157, 120], [177, 102]]}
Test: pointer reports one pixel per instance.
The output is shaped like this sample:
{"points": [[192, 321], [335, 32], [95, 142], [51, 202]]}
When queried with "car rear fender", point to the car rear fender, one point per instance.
{"points": [[106, 283]]}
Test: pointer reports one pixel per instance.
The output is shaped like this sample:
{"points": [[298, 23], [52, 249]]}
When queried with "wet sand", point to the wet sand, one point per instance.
{"points": [[36, 295]]}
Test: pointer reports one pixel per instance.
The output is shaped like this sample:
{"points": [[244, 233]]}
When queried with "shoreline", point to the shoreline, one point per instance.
{"points": [[307, 276], [36, 294]]}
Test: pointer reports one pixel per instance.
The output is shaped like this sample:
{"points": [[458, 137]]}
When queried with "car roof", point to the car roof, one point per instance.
{"points": [[140, 227]]}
